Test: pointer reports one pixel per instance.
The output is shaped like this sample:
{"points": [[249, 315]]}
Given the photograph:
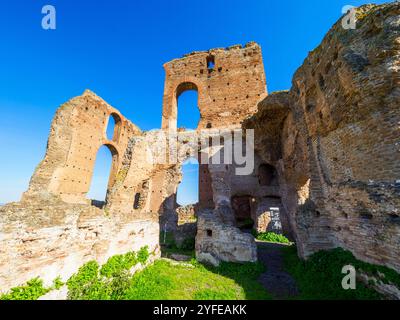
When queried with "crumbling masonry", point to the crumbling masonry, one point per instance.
{"points": [[326, 174]]}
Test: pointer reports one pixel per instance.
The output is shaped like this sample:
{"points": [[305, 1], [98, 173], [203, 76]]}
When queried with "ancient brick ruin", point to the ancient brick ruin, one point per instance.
{"points": [[326, 167]]}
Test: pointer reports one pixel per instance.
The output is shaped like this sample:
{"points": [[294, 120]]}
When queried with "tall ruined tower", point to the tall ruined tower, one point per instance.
{"points": [[230, 82]]}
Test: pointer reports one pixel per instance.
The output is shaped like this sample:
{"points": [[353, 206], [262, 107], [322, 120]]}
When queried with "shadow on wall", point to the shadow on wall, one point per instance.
{"points": [[178, 227], [242, 209]]}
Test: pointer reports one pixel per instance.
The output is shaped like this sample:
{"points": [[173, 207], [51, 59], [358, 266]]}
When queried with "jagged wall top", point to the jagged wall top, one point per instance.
{"points": [[229, 82]]}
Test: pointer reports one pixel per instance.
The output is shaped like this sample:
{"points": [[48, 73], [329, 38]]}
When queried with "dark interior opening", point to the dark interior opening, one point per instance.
{"points": [[267, 175], [241, 206], [136, 204]]}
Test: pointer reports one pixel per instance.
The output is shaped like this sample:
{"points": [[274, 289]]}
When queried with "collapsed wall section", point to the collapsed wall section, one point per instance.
{"points": [[77, 132], [54, 229]]}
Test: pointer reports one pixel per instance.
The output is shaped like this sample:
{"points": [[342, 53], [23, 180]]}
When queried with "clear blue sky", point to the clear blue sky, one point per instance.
{"points": [[117, 49]]}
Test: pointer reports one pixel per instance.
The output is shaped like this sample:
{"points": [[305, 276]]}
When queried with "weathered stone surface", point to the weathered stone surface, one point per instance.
{"points": [[337, 153], [207, 258], [55, 240], [389, 290], [222, 241], [180, 257]]}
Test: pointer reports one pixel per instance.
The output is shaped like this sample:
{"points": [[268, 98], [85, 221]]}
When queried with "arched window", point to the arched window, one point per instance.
{"points": [[210, 62], [267, 175], [113, 127], [188, 189], [101, 176], [187, 101]]}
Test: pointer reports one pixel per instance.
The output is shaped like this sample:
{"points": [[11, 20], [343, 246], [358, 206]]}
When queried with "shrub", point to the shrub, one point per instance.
{"points": [[143, 255], [271, 237], [119, 285], [110, 282], [32, 290], [86, 284], [57, 283], [118, 263]]}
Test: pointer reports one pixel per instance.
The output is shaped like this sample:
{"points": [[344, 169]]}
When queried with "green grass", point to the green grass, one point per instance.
{"points": [[166, 281], [320, 277], [271, 237]]}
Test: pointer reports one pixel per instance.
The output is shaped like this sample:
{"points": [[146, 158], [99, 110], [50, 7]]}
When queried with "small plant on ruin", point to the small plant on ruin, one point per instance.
{"points": [[57, 283]]}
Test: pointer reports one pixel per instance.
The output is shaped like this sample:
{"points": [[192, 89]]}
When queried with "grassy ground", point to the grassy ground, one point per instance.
{"points": [[320, 277], [168, 280], [165, 281]]}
